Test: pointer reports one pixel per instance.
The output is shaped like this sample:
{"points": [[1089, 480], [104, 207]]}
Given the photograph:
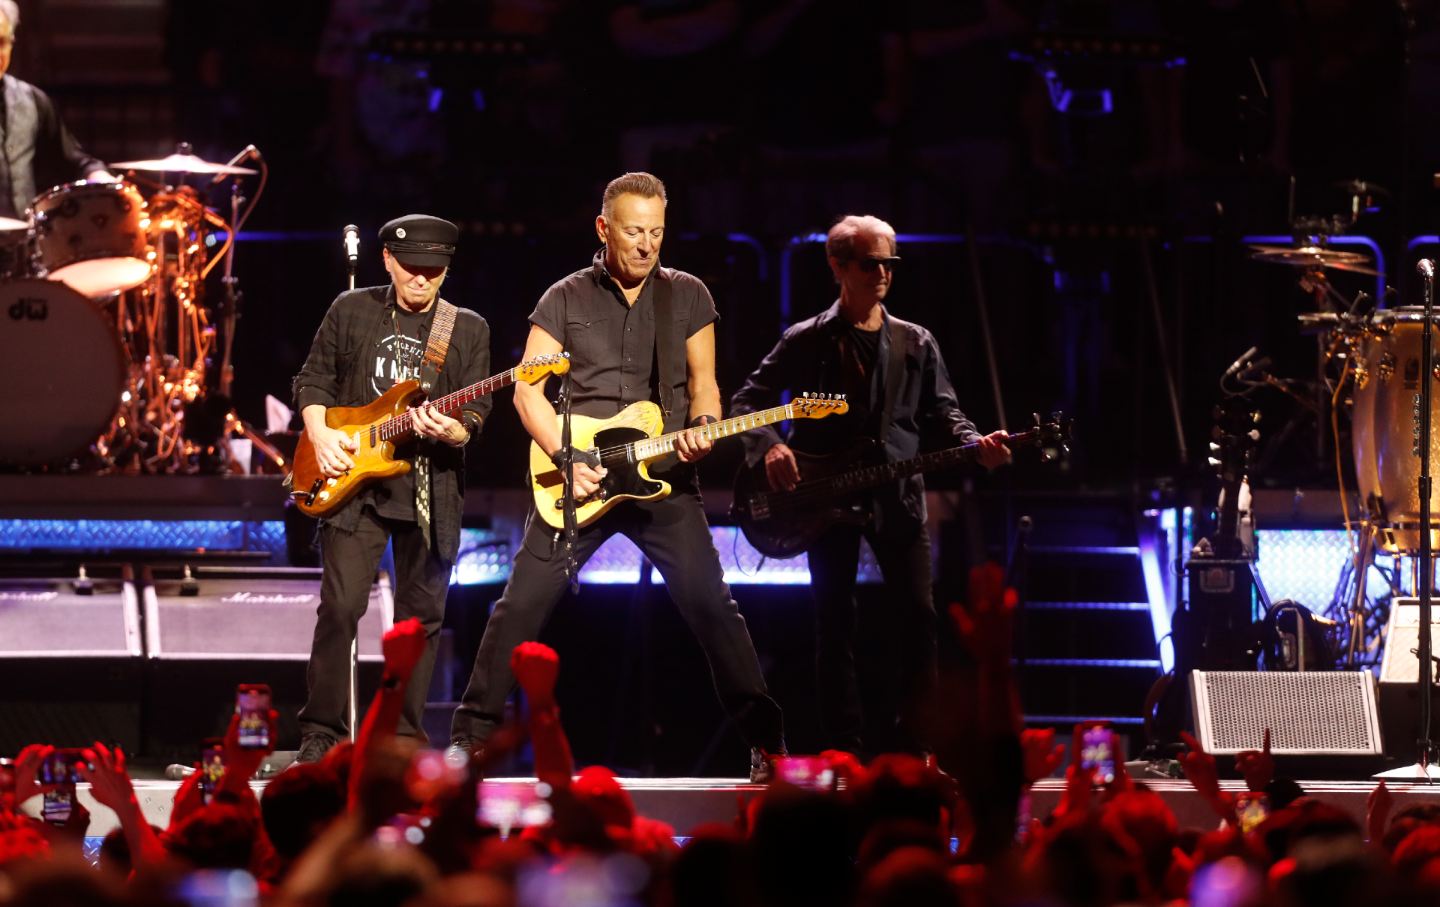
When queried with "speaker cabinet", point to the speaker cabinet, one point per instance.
{"points": [[221, 626], [1399, 673], [70, 661], [1309, 713]]}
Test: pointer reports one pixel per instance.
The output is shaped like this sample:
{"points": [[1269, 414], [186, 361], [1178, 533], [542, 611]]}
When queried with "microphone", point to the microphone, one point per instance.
{"points": [[352, 243], [245, 154], [1426, 267], [1238, 364]]}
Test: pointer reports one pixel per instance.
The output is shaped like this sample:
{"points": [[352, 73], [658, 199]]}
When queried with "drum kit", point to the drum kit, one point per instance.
{"points": [[109, 341], [1371, 359]]}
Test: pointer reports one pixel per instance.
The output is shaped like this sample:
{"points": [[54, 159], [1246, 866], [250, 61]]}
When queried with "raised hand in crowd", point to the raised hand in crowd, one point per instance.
{"points": [[27, 772], [1257, 767], [1041, 754], [111, 787], [536, 668], [402, 647], [1204, 775], [1377, 813]]}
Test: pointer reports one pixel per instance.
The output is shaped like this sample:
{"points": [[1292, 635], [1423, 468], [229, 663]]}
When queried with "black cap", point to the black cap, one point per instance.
{"points": [[419, 239]]}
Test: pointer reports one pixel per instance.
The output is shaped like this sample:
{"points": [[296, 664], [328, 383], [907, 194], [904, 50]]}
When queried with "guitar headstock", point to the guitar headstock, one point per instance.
{"points": [[1233, 438], [1053, 437], [541, 367], [818, 406]]}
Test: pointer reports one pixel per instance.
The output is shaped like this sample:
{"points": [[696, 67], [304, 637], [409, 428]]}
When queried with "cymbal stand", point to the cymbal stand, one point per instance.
{"points": [[234, 425]]}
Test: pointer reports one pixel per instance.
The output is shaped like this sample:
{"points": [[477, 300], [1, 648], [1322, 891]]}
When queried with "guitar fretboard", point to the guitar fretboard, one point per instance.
{"points": [[659, 446], [398, 428], [874, 476]]}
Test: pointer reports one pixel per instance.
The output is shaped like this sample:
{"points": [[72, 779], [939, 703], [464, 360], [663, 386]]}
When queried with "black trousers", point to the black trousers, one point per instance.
{"points": [[903, 554], [673, 534], [350, 560]]}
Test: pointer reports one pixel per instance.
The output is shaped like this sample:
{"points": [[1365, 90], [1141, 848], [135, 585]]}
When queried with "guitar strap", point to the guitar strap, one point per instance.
{"points": [[669, 363], [436, 349], [894, 377]]}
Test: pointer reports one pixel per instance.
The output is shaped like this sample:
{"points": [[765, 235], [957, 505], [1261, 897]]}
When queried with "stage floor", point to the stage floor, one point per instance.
{"points": [[689, 802]]}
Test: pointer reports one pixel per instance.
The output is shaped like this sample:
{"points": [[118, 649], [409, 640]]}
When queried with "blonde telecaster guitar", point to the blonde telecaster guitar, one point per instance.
{"points": [[627, 442], [385, 424]]}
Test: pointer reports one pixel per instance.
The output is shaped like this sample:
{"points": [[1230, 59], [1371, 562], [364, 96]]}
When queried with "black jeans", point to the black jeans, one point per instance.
{"points": [[673, 534], [903, 554], [350, 559]]}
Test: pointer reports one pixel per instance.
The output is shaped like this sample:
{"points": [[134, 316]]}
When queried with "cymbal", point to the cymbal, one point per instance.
{"points": [[9, 224], [181, 163], [1314, 257]]}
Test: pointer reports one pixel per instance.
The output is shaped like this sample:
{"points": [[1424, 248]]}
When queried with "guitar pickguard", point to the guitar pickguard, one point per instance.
{"points": [[624, 479]]}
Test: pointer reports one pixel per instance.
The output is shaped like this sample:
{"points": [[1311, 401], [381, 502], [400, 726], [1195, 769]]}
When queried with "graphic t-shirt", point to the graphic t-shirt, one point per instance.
{"points": [[397, 357]]}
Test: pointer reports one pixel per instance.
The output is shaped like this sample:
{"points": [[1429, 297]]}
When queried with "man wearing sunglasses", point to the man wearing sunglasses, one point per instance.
{"points": [[899, 390]]}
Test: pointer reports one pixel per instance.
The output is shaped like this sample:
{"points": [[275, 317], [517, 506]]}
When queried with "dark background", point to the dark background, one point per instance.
{"points": [[1071, 140]]}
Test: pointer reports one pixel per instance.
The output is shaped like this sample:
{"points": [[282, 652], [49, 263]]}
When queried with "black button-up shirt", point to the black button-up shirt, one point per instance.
{"points": [[807, 358], [612, 343]]}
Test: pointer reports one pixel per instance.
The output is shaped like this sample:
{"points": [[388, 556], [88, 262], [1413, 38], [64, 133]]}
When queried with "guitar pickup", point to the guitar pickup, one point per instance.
{"points": [[580, 502], [760, 506], [309, 496]]}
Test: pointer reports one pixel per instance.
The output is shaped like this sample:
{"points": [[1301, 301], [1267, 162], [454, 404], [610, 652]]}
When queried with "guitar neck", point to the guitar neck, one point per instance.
{"points": [[867, 477], [660, 445], [401, 427]]}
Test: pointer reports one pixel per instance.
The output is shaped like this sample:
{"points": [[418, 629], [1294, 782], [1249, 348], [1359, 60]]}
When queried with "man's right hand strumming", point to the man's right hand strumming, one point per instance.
{"points": [[333, 448], [587, 479]]}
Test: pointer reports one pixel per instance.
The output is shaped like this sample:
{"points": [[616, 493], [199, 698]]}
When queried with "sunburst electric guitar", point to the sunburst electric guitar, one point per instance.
{"points": [[626, 443], [382, 430]]}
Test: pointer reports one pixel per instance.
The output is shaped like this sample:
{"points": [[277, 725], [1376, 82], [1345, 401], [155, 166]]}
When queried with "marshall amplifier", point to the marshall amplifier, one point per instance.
{"points": [[208, 629], [70, 663]]}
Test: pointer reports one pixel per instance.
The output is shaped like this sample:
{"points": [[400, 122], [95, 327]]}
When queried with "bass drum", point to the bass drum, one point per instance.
{"points": [[62, 368], [1387, 367]]}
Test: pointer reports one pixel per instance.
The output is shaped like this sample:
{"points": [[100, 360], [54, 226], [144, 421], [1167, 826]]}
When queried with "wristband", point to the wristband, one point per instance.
{"points": [[698, 421], [580, 456]]}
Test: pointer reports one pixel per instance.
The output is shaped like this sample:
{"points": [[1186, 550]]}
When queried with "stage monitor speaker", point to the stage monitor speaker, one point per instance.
{"points": [[70, 658], [221, 626], [1309, 713], [1399, 670]]}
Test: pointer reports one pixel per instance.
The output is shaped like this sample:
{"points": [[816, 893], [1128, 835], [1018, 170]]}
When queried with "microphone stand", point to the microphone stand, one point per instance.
{"points": [[1423, 769], [567, 494]]}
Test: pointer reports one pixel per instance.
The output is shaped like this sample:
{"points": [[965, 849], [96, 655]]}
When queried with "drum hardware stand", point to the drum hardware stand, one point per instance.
{"points": [[234, 425], [1364, 557], [1423, 767]]}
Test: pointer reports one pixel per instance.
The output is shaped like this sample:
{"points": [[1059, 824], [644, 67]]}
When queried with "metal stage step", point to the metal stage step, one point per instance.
{"points": [[1085, 646]]}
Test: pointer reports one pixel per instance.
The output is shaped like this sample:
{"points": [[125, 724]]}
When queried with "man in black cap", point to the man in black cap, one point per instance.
{"points": [[370, 339]]}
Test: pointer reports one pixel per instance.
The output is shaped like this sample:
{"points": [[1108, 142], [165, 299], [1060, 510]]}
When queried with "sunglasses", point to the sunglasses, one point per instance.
{"points": [[869, 264]]}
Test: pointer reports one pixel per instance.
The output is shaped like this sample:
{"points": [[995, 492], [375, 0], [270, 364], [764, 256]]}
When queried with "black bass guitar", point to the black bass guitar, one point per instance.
{"points": [[781, 524]]}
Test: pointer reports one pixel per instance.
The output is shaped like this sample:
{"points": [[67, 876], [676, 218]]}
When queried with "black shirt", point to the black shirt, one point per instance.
{"points": [[612, 343], [397, 357], [807, 358], [338, 372]]}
